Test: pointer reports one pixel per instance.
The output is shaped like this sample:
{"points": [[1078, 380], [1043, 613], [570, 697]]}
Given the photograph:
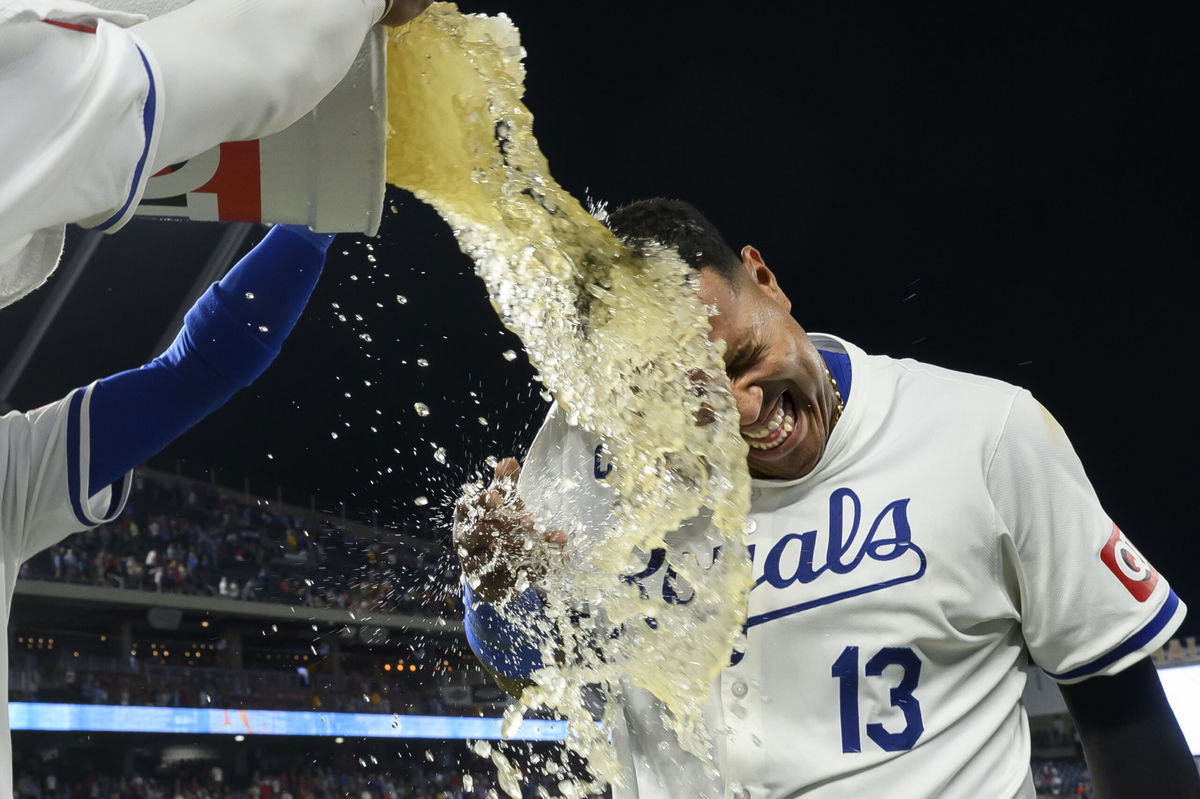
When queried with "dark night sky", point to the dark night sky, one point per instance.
{"points": [[1008, 190]]}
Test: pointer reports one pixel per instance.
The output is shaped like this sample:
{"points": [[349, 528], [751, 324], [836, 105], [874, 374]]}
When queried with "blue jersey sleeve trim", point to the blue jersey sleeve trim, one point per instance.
{"points": [[73, 465], [1132, 644], [506, 648], [120, 492], [77, 463], [148, 117]]}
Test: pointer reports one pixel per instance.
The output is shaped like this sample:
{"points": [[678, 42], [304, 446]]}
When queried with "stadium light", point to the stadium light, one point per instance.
{"points": [[1181, 684], [63, 717]]}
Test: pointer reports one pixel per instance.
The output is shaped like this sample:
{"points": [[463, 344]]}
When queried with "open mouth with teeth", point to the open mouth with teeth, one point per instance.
{"points": [[773, 432]]}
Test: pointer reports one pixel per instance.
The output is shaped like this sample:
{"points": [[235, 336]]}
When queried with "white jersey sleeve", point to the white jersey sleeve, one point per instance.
{"points": [[98, 107], [1089, 603], [85, 116], [44, 478]]}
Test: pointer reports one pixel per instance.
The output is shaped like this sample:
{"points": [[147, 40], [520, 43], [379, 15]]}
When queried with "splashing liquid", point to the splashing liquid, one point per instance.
{"points": [[618, 336]]}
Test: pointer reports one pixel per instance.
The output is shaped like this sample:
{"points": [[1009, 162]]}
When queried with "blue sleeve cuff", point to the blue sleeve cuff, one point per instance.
{"points": [[510, 648], [1138, 640], [150, 117]]}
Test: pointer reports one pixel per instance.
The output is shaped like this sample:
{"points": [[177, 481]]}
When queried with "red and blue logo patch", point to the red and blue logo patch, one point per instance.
{"points": [[1124, 561]]}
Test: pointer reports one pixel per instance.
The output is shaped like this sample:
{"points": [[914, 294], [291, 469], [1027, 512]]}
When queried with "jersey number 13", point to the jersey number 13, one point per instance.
{"points": [[845, 670]]}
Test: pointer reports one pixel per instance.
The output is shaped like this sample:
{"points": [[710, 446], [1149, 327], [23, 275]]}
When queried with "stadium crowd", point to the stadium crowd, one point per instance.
{"points": [[436, 775], [363, 687], [1063, 778], [193, 538]]}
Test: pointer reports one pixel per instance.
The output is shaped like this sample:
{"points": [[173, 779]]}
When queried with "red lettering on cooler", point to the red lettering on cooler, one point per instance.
{"points": [[1134, 571], [237, 183]]}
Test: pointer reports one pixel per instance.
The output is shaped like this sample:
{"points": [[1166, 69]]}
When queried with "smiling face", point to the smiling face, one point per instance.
{"points": [[786, 402]]}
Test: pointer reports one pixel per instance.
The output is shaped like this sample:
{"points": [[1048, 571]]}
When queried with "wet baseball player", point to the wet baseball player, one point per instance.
{"points": [[919, 536]]}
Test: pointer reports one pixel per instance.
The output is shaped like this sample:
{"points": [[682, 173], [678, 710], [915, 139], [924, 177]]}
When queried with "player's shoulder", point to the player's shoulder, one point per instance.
{"points": [[957, 384], [935, 388]]}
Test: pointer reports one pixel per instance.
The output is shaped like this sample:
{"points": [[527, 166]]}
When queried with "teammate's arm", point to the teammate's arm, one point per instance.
{"points": [[96, 109], [1130, 736], [243, 69], [229, 337], [1092, 608]]}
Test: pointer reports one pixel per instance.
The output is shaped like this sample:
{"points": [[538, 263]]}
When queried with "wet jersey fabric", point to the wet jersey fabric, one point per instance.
{"points": [[948, 537]]}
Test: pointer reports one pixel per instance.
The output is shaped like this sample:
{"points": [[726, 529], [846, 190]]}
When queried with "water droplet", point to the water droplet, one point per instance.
{"points": [[439, 455], [249, 295], [422, 361], [421, 408], [354, 277], [270, 457], [341, 317], [400, 298], [468, 782], [262, 328], [421, 501], [483, 421], [510, 355], [365, 337], [333, 435]]}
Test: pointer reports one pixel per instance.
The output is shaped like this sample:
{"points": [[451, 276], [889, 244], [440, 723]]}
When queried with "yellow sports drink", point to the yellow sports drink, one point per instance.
{"points": [[619, 337]]}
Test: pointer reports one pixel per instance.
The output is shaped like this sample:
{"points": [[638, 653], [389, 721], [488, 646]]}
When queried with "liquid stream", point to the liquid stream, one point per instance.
{"points": [[618, 337]]}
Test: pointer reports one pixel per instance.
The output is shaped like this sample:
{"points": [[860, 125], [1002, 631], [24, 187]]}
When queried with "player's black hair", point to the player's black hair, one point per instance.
{"points": [[679, 225]]}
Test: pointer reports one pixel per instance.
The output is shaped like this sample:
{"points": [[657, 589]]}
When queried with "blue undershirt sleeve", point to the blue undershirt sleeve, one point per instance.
{"points": [[229, 337], [510, 649]]}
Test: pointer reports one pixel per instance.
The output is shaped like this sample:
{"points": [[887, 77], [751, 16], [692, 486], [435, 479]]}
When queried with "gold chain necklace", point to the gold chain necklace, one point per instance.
{"points": [[841, 406]]}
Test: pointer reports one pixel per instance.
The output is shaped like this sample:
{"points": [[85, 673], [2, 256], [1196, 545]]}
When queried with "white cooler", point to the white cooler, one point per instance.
{"points": [[325, 171]]}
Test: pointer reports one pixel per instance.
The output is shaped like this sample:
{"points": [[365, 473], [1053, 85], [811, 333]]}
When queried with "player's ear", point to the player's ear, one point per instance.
{"points": [[764, 278]]}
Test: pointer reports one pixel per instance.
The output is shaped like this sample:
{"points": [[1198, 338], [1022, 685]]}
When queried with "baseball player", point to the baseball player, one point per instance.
{"points": [[96, 101], [918, 536], [66, 466]]}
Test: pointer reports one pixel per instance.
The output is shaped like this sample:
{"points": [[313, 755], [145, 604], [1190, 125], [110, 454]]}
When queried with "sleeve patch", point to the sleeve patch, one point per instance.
{"points": [[1128, 566]]}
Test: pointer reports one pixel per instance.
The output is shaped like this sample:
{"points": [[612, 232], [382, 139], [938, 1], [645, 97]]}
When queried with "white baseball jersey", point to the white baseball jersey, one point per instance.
{"points": [[80, 136], [947, 536], [44, 466]]}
